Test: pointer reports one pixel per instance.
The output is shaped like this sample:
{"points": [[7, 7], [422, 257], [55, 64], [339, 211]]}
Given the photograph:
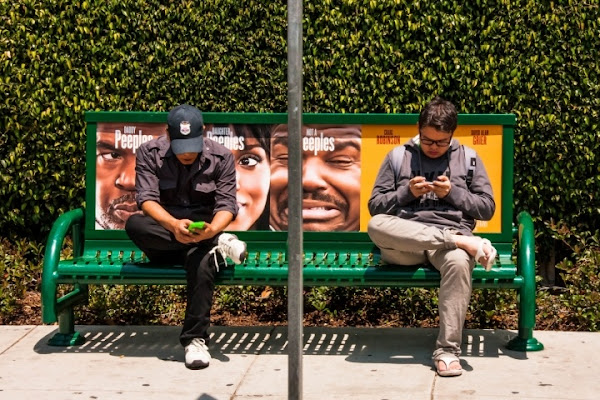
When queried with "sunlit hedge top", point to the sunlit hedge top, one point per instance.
{"points": [[538, 60]]}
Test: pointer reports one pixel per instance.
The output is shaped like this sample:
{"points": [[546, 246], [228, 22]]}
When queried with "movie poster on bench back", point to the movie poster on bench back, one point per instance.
{"points": [[486, 140], [331, 177], [340, 165], [251, 147], [116, 146]]}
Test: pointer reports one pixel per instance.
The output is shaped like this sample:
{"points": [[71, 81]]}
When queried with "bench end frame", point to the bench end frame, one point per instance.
{"points": [[526, 266], [61, 310]]}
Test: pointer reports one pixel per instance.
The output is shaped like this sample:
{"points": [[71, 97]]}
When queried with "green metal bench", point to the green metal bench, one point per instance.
{"points": [[330, 258]]}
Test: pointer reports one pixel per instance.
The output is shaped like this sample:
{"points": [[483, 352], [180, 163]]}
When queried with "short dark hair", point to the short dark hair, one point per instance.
{"points": [[439, 114]]}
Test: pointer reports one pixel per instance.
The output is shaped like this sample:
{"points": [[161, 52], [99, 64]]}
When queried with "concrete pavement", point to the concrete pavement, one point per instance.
{"points": [[146, 362]]}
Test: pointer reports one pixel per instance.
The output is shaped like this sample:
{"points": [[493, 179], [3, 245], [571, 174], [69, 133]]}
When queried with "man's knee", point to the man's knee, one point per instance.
{"points": [[133, 223], [377, 220], [375, 228], [140, 227]]}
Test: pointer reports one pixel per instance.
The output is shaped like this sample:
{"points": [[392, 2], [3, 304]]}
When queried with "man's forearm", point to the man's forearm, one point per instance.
{"points": [[221, 220], [157, 212]]}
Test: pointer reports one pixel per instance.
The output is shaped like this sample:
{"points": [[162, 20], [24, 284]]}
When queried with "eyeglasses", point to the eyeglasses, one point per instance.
{"points": [[438, 143]]}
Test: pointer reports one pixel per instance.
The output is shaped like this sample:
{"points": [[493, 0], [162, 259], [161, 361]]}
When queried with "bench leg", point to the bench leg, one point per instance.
{"points": [[526, 294], [525, 340], [66, 335]]}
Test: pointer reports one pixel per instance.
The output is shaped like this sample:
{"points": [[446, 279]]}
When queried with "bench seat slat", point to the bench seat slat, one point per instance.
{"points": [[268, 270]]}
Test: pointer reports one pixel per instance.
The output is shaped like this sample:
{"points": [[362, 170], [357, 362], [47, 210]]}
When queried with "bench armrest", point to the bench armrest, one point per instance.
{"points": [[525, 244], [526, 268], [71, 220]]}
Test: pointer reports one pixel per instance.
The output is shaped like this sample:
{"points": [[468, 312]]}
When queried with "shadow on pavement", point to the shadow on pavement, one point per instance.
{"points": [[361, 345]]}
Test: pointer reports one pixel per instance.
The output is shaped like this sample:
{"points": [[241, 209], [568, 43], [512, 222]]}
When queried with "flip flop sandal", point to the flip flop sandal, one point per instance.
{"points": [[447, 358], [492, 258]]}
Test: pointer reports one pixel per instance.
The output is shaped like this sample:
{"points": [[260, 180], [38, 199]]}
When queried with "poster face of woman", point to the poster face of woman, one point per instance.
{"points": [[250, 147]]}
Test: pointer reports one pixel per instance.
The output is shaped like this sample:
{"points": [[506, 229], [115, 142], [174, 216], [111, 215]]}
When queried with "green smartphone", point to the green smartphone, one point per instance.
{"points": [[196, 225]]}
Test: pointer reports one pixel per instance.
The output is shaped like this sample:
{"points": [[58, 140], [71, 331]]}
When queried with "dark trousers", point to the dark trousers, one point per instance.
{"points": [[160, 246]]}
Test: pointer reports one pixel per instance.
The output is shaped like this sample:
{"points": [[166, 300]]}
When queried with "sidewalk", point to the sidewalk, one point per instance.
{"points": [[144, 362]]}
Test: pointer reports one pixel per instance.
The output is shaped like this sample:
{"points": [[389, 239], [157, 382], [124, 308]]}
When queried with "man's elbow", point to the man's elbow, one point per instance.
{"points": [[372, 206], [488, 213]]}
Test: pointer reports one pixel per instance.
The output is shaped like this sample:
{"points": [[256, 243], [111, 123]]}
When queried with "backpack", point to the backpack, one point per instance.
{"points": [[470, 155]]}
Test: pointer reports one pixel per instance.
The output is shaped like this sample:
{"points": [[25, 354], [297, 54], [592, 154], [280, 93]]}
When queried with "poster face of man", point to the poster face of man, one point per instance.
{"points": [[116, 145], [331, 170]]}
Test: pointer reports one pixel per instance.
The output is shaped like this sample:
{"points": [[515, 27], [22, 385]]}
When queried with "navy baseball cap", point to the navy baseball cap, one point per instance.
{"points": [[185, 126]]}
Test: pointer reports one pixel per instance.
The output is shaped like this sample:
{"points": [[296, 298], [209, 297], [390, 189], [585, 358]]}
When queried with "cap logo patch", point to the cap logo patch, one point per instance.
{"points": [[185, 128]]}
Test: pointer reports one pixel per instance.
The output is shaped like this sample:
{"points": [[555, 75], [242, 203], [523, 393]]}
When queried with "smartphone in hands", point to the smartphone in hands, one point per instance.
{"points": [[198, 225]]}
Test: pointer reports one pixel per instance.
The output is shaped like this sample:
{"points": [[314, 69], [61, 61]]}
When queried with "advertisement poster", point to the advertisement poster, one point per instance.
{"points": [[250, 145], [339, 167], [116, 145], [486, 140]]}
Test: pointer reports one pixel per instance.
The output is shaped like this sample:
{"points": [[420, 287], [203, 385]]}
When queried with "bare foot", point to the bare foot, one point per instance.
{"points": [[453, 365], [448, 364], [470, 244]]}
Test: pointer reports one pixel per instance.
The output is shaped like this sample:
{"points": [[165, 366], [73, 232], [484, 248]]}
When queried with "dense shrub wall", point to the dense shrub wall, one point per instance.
{"points": [[537, 59], [58, 59]]}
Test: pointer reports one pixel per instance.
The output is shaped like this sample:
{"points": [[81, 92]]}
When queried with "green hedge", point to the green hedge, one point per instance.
{"points": [[536, 59], [58, 59]]}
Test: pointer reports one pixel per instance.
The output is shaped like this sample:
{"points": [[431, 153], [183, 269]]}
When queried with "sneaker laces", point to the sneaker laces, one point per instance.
{"points": [[223, 255], [197, 344]]}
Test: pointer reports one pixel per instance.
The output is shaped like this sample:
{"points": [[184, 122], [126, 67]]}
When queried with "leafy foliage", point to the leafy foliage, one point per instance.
{"points": [[536, 59], [20, 272], [581, 274], [59, 59]]}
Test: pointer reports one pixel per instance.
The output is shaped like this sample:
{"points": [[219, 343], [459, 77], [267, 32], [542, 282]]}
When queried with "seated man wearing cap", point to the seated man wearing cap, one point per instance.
{"points": [[182, 178]]}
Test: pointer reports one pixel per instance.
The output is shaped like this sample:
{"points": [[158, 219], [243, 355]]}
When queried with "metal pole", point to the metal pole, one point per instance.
{"points": [[295, 240]]}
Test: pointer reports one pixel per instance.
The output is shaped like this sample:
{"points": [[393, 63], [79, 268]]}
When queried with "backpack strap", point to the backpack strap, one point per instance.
{"points": [[470, 163], [396, 158]]}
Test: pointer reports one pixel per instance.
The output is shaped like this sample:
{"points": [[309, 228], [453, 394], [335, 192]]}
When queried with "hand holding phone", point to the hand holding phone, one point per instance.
{"points": [[442, 186], [196, 225]]}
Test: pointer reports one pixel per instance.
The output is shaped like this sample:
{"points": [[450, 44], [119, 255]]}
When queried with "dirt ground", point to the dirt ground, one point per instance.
{"points": [[28, 312]]}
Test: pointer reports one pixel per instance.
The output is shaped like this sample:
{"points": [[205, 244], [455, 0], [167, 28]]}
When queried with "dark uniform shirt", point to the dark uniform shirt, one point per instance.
{"points": [[196, 191]]}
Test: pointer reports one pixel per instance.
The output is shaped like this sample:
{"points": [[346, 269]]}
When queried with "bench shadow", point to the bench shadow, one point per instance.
{"points": [[358, 345]]}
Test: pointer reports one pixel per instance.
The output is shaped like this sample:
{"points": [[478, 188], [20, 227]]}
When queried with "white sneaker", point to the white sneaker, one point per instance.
{"points": [[230, 246], [196, 354]]}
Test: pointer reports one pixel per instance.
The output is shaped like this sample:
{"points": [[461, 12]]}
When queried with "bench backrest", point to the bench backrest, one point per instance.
{"points": [[113, 137]]}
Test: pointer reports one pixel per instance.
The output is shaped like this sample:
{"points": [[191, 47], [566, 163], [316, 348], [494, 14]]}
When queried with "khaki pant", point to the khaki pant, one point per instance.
{"points": [[407, 242]]}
